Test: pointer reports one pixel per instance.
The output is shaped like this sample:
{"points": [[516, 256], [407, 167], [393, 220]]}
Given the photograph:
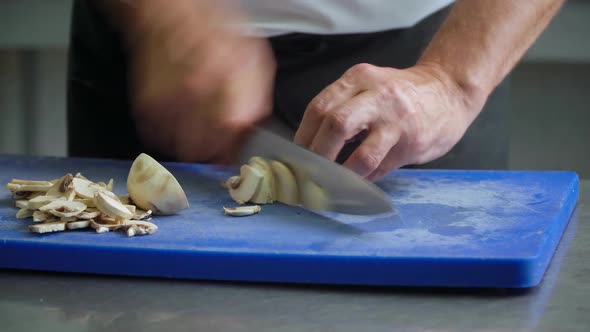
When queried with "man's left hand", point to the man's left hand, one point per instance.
{"points": [[410, 116]]}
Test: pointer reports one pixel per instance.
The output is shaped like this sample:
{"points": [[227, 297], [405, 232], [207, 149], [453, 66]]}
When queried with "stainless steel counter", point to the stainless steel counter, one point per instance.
{"points": [[49, 302]]}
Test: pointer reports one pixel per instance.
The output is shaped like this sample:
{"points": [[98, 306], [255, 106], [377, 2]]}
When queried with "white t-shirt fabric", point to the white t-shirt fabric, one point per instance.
{"points": [[277, 17]]}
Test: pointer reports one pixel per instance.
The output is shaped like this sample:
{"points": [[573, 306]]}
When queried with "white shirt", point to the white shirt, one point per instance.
{"points": [[277, 17]]}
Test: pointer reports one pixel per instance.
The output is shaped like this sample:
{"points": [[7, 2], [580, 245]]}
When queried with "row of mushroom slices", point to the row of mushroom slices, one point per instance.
{"points": [[74, 201]]}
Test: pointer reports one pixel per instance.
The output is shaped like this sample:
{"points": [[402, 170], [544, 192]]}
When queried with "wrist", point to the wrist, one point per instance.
{"points": [[470, 90]]}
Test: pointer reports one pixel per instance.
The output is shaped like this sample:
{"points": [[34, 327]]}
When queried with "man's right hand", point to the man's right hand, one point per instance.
{"points": [[196, 85]]}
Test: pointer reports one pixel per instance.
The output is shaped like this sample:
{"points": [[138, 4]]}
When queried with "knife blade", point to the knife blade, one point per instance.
{"points": [[347, 192]]}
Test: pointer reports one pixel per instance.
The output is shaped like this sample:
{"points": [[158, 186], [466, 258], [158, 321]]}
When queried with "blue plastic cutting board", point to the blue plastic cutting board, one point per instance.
{"points": [[450, 228]]}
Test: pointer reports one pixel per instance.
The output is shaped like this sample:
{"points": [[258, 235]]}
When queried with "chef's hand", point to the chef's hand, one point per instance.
{"points": [[197, 86], [410, 116]]}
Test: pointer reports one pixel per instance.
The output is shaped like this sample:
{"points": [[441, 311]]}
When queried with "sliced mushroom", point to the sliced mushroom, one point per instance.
{"points": [[48, 227], [266, 191], [62, 187], [311, 195], [108, 220], [73, 202], [85, 188], [40, 216], [63, 208], [78, 224], [241, 211], [29, 182], [152, 187], [89, 213], [137, 227], [285, 183], [131, 208], [87, 201], [21, 194], [250, 180], [141, 214], [112, 195], [233, 182], [111, 185], [33, 194], [44, 186], [124, 199], [111, 206], [39, 201], [24, 213], [21, 203], [101, 224], [80, 176], [99, 229]]}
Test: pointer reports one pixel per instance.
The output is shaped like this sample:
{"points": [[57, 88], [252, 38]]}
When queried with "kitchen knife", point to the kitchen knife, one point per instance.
{"points": [[346, 191]]}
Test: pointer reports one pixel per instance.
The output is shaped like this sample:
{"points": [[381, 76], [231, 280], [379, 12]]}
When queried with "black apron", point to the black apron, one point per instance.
{"points": [[98, 113]]}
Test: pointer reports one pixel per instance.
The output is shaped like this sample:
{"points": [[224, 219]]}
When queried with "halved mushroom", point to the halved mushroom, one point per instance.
{"points": [[285, 183], [111, 206], [152, 187]]}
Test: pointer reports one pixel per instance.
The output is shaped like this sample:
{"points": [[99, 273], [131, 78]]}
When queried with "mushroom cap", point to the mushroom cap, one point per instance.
{"points": [[152, 187]]}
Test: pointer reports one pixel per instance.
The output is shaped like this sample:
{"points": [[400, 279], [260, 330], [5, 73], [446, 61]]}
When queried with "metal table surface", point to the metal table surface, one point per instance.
{"points": [[35, 301]]}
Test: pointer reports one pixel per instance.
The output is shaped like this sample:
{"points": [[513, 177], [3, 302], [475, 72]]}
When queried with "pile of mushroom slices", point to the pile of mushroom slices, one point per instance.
{"points": [[74, 202], [263, 181]]}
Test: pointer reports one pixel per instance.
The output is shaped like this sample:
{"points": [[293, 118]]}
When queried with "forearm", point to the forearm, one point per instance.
{"points": [[140, 21], [482, 40]]}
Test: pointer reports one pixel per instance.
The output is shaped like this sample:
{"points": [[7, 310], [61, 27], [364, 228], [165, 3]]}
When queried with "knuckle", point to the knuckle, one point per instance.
{"points": [[319, 105], [342, 84], [368, 160], [361, 69], [388, 91], [338, 123]]}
